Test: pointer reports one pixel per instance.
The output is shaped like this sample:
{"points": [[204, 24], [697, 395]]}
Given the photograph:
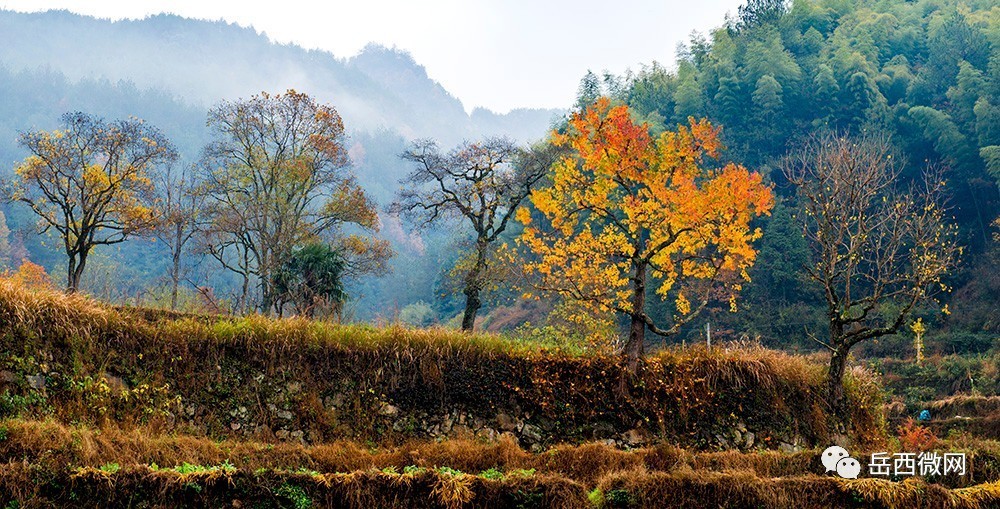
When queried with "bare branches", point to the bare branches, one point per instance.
{"points": [[91, 182], [877, 250], [277, 177], [480, 183]]}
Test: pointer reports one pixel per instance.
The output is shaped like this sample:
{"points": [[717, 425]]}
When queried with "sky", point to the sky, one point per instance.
{"points": [[498, 54]]}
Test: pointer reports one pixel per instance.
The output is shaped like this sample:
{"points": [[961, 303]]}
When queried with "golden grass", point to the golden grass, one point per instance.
{"points": [[965, 406], [684, 395], [37, 457]]}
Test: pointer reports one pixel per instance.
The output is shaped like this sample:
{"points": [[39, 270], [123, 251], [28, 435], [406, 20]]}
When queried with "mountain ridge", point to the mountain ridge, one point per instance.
{"points": [[206, 61]]}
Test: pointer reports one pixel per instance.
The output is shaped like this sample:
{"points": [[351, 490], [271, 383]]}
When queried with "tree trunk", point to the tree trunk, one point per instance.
{"points": [[175, 269], [78, 273], [74, 270], [472, 305], [835, 383], [473, 288], [71, 281], [635, 346]]}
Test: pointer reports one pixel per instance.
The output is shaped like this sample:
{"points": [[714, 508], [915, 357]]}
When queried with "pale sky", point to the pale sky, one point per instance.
{"points": [[500, 54]]}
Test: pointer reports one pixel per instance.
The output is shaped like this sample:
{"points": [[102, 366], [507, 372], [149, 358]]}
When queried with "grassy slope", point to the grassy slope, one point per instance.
{"points": [[227, 377], [105, 430]]}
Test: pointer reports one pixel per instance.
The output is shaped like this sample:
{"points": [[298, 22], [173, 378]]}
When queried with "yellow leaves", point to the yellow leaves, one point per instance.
{"points": [[348, 203], [523, 216], [683, 305], [623, 200]]}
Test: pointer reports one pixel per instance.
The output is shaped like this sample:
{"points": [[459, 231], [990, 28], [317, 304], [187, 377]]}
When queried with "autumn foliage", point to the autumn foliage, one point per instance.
{"points": [[624, 209]]}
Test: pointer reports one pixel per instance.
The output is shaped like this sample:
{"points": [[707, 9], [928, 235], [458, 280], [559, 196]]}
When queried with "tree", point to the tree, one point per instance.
{"points": [[180, 203], [825, 93], [311, 280], [756, 13], [4, 240], [482, 183], [276, 177], [876, 251], [90, 182], [623, 210], [767, 97]]}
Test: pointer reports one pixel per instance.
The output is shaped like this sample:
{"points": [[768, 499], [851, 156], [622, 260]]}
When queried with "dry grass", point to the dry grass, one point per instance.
{"points": [[45, 462], [218, 364], [965, 406]]}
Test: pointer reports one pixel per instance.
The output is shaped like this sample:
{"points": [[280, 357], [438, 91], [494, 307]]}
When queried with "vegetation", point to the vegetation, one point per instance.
{"points": [[194, 373], [276, 178], [90, 182], [624, 210], [311, 280], [483, 183], [876, 252], [805, 177]]}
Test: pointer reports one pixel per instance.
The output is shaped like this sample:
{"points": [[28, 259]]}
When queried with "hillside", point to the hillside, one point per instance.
{"points": [[118, 407], [203, 62]]}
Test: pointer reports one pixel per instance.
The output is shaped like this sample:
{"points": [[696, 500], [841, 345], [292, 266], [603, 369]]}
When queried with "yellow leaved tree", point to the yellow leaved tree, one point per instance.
{"points": [[90, 182], [624, 211]]}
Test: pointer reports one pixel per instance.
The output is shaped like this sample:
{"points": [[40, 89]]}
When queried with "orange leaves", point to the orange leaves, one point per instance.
{"points": [[623, 202], [29, 275]]}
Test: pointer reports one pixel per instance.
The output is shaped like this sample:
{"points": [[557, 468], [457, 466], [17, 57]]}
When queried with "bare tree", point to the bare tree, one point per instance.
{"points": [[277, 177], [90, 182], [180, 204], [877, 250], [482, 183]]}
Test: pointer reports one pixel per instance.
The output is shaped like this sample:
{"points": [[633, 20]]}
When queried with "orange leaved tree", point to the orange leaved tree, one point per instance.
{"points": [[624, 210]]}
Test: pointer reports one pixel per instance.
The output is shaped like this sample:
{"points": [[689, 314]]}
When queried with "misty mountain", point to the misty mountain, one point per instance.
{"points": [[169, 70], [203, 62]]}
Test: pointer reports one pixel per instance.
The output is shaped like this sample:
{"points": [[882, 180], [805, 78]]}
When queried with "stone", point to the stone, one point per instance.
{"points": [[36, 382], [234, 426], [750, 438], [635, 437], [603, 430], [297, 434], [285, 414], [737, 436], [506, 422], [282, 434], [7, 376], [531, 433], [116, 383], [488, 434], [461, 430], [388, 410], [337, 400], [788, 448]]}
